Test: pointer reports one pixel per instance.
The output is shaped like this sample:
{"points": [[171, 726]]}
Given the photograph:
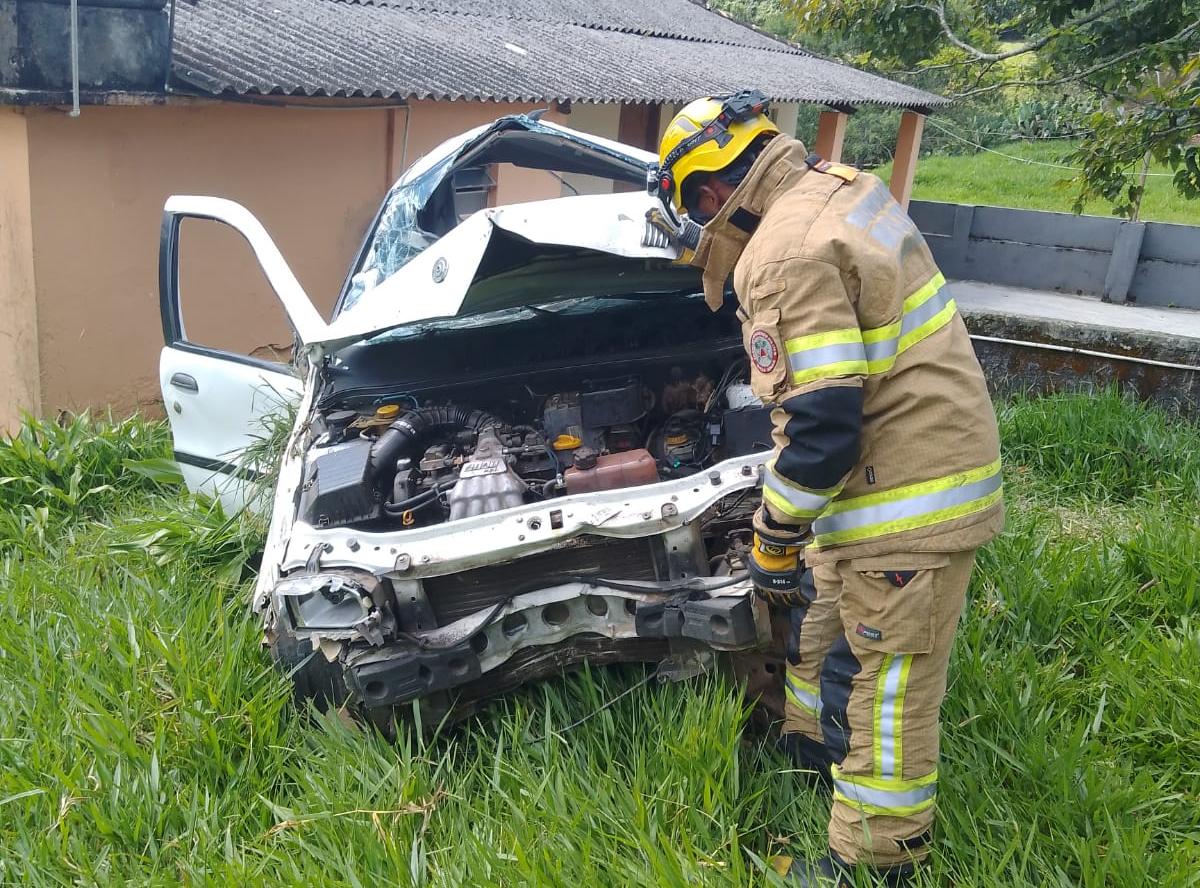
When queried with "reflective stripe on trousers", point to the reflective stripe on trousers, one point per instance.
{"points": [[889, 714], [804, 695], [888, 796], [855, 352], [909, 507]]}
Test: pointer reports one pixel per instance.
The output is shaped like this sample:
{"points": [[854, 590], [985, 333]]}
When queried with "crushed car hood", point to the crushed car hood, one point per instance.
{"points": [[407, 273]]}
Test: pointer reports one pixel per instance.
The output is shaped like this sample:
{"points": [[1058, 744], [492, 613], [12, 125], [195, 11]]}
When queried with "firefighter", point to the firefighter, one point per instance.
{"points": [[885, 477]]}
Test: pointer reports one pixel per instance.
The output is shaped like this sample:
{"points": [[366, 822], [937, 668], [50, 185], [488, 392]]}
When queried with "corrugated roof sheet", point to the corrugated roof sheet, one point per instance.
{"points": [[679, 19], [504, 50]]}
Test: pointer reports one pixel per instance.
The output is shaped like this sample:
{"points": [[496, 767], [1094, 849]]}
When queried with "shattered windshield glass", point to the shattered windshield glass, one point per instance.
{"points": [[398, 236], [423, 204]]}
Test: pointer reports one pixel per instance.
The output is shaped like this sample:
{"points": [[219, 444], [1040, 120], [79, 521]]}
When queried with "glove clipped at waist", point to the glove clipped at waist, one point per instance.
{"points": [[775, 568]]}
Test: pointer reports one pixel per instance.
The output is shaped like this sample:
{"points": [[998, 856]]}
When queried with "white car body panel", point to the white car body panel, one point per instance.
{"points": [[283, 505], [435, 283], [227, 412]]}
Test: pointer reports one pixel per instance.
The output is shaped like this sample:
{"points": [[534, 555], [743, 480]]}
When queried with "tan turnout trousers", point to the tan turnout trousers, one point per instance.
{"points": [[866, 676]]}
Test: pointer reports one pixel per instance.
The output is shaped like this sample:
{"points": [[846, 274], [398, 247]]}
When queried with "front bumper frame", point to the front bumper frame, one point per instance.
{"points": [[727, 618]]}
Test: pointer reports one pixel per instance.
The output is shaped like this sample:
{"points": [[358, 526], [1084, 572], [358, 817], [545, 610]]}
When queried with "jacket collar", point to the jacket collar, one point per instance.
{"points": [[723, 239]]}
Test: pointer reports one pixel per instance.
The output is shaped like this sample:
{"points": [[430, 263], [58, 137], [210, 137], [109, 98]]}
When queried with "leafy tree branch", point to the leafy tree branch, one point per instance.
{"points": [[1134, 67], [976, 54]]}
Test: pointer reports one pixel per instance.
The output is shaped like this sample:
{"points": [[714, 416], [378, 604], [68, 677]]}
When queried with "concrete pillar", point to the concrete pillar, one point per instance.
{"points": [[831, 132], [19, 384], [908, 145], [786, 116]]}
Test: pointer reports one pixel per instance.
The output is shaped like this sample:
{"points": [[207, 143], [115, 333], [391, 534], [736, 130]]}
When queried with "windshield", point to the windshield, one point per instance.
{"points": [[458, 178]]}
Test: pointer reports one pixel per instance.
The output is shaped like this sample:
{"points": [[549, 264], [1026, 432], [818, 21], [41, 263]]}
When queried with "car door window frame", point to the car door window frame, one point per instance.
{"points": [[171, 307]]}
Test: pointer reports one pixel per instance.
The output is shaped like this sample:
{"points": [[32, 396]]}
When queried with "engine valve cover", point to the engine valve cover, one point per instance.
{"points": [[486, 483]]}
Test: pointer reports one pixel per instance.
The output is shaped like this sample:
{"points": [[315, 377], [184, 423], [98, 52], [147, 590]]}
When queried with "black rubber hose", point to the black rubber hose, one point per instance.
{"points": [[419, 499], [417, 427]]}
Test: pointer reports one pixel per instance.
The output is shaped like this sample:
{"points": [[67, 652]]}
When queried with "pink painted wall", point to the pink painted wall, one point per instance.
{"points": [[313, 177]]}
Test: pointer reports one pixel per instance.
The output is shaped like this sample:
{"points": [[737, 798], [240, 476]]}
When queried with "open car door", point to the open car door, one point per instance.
{"points": [[219, 401]]}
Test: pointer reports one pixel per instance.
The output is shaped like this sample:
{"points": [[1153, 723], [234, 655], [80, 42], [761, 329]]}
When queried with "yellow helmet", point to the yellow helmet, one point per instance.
{"points": [[708, 135]]}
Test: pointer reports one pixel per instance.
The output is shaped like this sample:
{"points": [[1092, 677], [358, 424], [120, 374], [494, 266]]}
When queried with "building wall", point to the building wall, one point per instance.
{"points": [[313, 177], [81, 202], [599, 120], [18, 305], [99, 182]]}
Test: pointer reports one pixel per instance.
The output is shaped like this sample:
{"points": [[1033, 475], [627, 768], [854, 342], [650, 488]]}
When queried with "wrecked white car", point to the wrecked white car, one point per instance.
{"points": [[522, 441]]}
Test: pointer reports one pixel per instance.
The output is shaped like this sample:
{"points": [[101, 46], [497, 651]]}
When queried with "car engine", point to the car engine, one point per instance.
{"points": [[405, 463], [603, 466]]}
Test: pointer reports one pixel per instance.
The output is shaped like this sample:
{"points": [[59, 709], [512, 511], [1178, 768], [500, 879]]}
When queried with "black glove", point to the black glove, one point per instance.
{"points": [[775, 569]]}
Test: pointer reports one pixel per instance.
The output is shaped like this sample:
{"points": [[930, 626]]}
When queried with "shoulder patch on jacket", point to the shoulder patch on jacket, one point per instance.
{"points": [[821, 165], [843, 172], [764, 350]]}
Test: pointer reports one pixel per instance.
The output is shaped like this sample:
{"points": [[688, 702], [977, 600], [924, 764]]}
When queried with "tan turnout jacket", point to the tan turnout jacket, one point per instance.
{"points": [[885, 435]]}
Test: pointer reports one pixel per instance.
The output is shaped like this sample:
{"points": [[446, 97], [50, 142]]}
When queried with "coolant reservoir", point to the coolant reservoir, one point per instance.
{"points": [[629, 469]]}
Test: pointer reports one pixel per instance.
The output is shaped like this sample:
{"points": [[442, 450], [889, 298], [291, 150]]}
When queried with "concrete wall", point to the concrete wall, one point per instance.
{"points": [[1150, 263], [81, 201], [18, 313], [98, 182]]}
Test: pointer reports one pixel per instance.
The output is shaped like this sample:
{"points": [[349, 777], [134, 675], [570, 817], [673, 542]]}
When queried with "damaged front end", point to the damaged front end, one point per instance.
{"points": [[526, 443], [454, 613]]}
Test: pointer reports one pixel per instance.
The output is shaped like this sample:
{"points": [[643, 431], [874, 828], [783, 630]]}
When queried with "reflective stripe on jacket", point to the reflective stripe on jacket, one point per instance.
{"points": [[885, 434]]}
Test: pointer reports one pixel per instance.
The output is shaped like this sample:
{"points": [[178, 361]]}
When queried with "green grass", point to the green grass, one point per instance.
{"points": [[989, 179], [144, 738]]}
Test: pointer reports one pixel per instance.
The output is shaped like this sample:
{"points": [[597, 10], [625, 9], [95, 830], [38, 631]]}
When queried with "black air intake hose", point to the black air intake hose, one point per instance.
{"points": [[419, 426]]}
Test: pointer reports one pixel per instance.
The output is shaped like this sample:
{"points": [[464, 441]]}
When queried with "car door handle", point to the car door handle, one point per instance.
{"points": [[185, 381]]}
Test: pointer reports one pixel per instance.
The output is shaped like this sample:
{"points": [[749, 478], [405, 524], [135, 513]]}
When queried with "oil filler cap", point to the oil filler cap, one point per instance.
{"points": [[566, 442]]}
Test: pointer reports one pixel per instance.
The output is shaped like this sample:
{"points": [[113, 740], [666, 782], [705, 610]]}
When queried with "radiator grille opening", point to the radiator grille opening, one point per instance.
{"points": [[458, 595]]}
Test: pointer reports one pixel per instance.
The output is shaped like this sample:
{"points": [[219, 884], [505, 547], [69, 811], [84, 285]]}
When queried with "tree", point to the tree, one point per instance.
{"points": [[1135, 64]]}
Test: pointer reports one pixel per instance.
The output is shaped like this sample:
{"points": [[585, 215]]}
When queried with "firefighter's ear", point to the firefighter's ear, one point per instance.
{"points": [[711, 196], [707, 204]]}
